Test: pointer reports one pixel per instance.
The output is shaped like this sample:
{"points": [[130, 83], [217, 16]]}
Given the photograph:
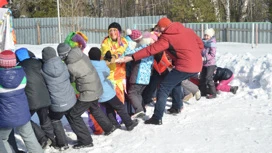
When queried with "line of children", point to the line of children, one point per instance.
{"points": [[85, 77], [37, 96]]}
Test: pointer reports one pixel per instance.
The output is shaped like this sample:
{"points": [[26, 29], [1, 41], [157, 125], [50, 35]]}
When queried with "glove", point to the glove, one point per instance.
{"points": [[108, 56]]}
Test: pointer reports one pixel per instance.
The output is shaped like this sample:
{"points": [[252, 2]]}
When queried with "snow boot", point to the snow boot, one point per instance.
{"points": [[187, 97], [154, 121], [234, 89], [173, 111], [197, 95], [79, 146], [134, 124], [112, 130], [61, 141]]}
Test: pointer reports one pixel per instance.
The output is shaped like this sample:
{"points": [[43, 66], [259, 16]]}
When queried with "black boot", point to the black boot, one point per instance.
{"points": [[134, 123], [112, 130], [234, 89], [173, 111], [154, 121], [79, 146], [61, 141]]}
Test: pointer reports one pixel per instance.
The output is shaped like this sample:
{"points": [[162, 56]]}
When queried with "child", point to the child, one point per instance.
{"points": [[140, 73], [14, 109], [90, 89], [61, 92], [222, 77], [208, 56], [39, 101], [109, 99]]}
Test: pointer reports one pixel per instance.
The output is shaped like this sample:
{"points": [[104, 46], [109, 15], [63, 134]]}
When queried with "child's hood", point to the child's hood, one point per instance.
{"points": [[54, 67], [210, 43], [74, 55], [11, 78]]}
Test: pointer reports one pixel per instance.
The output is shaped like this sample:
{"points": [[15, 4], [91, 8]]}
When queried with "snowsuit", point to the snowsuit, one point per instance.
{"points": [[209, 65], [62, 95], [90, 89]]}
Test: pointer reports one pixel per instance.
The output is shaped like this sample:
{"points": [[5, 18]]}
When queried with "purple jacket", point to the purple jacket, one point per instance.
{"points": [[209, 52]]}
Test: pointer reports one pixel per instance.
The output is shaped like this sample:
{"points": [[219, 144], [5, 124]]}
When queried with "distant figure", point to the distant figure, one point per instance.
{"points": [[208, 57], [222, 77]]}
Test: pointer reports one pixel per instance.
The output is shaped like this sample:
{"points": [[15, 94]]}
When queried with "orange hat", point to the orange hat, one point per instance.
{"points": [[164, 22]]}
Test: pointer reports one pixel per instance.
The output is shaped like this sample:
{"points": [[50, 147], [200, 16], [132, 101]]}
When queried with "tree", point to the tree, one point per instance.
{"points": [[192, 11]]}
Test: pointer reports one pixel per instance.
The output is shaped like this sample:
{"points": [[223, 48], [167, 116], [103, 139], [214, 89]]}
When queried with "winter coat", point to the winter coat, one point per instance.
{"points": [[222, 74], [161, 63], [36, 90], [209, 52], [14, 109], [141, 70], [103, 72], [84, 75], [117, 70], [57, 79], [181, 44], [131, 46]]}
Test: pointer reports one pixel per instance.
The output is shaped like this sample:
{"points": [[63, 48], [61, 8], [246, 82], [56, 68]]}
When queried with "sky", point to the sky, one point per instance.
{"points": [[240, 123]]}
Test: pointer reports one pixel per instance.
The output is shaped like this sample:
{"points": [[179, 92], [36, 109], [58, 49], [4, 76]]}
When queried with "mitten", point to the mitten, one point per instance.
{"points": [[108, 56]]}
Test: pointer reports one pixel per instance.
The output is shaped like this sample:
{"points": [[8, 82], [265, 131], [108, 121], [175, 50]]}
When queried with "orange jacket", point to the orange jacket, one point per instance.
{"points": [[161, 63]]}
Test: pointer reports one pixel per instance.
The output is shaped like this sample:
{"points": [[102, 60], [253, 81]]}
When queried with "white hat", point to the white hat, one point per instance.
{"points": [[209, 32]]}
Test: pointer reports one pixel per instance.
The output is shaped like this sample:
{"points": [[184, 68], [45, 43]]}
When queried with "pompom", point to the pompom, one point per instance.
{"points": [[129, 31]]}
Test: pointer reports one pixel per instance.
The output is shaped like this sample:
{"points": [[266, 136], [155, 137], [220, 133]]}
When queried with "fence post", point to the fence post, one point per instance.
{"points": [[252, 40], [257, 39], [38, 33], [202, 30], [227, 34]]}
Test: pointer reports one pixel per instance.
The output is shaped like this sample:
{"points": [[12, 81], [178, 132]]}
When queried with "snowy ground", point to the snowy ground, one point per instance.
{"points": [[240, 123]]}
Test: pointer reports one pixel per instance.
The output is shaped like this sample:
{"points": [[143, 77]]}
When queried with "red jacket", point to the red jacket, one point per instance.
{"points": [[181, 44]]}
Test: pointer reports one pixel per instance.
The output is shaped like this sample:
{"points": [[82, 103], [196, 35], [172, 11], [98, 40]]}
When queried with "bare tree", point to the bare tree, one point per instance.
{"points": [[243, 9], [226, 4], [216, 10]]}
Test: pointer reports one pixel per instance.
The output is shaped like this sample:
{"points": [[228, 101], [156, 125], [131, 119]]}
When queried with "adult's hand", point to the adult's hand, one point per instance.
{"points": [[124, 59]]}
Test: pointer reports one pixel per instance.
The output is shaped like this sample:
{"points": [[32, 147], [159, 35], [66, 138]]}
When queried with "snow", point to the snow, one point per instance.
{"points": [[240, 123]]}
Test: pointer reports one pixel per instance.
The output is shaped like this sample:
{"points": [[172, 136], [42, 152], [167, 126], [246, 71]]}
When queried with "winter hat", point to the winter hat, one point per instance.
{"points": [[209, 32], [7, 59], [134, 34], [22, 54], [31, 54], [95, 54], [164, 22], [63, 49], [48, 53], [150, 35], [115, 25]]}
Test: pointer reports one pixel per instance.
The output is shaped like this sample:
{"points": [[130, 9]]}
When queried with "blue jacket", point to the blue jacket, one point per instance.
{"points": [[103, 72], [141, 70], [14, 110]]}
